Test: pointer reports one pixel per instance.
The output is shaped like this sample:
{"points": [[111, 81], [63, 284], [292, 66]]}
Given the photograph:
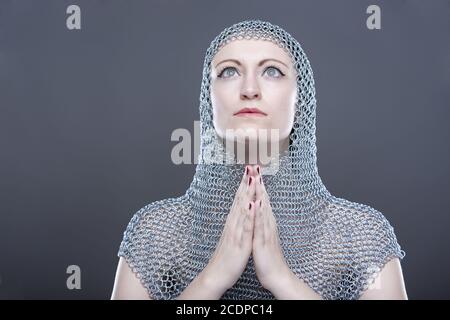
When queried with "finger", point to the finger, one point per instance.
{"points": [[242, 186], [250, 190], [242, 202], [270, 225], [264, 197], [244, 214], [259, 191], [252, 170], [247, 228], [264, 194], [252, 173], [244, 180], [265, 221], [259, 224]]}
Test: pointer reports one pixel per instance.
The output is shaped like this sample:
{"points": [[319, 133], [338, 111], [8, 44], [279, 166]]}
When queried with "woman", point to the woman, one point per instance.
{"points": [[253, 229]]}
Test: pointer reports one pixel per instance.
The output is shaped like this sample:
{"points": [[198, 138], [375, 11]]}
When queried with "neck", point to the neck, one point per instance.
{"points": [[251, 153]]}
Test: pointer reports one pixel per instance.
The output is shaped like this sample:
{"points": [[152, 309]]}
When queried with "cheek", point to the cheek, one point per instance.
{"points": [[222, 106], [287, 95], [283, 101], [222, 96]]}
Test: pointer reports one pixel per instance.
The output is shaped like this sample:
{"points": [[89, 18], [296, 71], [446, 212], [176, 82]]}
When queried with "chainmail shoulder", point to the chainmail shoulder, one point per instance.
{"points": [[153, 246], [336, 246], [361, 240]]}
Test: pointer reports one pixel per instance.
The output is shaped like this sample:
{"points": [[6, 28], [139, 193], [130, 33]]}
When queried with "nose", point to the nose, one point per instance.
{"points": [[250, 89]]}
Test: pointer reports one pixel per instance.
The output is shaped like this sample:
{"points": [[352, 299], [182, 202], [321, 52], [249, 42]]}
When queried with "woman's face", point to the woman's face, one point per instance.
{"points": [[253, 74]]}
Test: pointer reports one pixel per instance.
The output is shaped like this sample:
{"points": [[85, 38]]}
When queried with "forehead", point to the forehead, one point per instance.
{"points": [[252, 50]]}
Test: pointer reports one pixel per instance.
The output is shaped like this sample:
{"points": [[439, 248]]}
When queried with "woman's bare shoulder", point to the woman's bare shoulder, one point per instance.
{"points": [[127, 284]]}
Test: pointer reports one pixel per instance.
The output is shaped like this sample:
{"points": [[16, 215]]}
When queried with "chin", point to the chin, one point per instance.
{"points": [[249, 130]]}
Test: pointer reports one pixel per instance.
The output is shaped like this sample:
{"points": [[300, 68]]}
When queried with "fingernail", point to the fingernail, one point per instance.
{"points": [[249, 180]]}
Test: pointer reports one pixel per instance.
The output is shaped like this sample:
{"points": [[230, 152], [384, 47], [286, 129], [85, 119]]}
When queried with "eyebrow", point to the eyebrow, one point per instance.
{"points": [[259, 64]]}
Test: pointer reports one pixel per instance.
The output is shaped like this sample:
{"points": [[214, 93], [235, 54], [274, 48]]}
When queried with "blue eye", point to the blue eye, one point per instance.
{"points": [[274, 72], [227, 74], [271, 71]]}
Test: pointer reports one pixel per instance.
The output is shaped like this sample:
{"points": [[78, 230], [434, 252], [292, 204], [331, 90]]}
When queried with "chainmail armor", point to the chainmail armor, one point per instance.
{"points": [[336, 246]]}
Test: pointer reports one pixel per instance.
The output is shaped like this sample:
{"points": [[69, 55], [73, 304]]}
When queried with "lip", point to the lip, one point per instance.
{"points": [[250, 112]]}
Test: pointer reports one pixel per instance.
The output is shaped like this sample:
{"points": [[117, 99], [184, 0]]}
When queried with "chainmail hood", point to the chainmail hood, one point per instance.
{"points": [[336, 246]]}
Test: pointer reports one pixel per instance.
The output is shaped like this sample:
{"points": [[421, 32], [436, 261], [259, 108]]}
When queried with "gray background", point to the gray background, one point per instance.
{"points": [[86, 118]]}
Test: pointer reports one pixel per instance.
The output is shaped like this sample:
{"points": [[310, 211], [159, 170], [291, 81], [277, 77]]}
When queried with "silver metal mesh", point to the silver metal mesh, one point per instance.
{"points": [[336, 246]]}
